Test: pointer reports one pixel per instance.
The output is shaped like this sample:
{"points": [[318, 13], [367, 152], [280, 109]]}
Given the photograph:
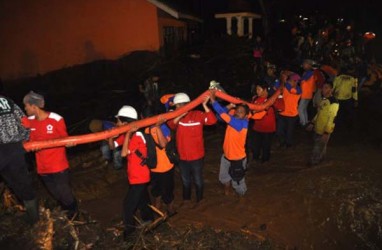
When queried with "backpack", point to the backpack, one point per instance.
{"points": [[171, 152], [151, 159], [236, 170]]}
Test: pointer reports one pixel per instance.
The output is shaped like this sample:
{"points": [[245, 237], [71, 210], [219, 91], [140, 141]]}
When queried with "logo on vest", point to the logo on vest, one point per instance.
{"points": [[5, 107], [49, 129]]}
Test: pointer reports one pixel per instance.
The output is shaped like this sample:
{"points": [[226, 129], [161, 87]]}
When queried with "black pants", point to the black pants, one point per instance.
{"points": [[163, 185], [58, 185], [262, 146], [136, 198], [249, 141], [345, 116], [13, 169], [286, 129]]}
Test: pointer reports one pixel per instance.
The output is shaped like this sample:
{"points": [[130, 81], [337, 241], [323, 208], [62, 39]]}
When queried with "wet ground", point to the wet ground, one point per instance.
{"points": [[336, 205], [288, 205]]}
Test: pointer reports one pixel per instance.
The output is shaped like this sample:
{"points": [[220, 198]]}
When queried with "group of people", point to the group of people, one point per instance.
{"points": [[284, 100], [247, 132], [52, 164], [322, 90]]}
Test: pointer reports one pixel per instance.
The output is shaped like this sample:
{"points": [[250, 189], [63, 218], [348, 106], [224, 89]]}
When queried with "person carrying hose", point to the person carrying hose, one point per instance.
{"points": [[52, 163], [13, 165], [138, 174], [190, 144], [234, 159]]}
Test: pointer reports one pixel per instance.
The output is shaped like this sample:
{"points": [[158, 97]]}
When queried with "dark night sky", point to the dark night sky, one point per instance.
{"points": [[365, 13]]}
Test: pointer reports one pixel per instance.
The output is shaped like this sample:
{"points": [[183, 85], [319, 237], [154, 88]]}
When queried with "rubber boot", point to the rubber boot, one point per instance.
{"points": [[32, 211]]}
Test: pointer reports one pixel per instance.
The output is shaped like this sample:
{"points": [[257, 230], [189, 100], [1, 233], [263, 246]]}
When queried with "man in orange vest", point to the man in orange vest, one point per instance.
{"points": [[308, 87], [288, 117]]}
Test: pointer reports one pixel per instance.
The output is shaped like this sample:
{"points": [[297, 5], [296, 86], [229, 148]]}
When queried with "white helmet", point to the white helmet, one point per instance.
{"points": [[128, 112], [181, 98]]}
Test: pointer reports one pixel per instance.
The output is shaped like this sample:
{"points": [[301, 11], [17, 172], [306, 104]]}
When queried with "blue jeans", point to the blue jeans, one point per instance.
{"points": [[114, 155], [303, 111], [194, 170]]}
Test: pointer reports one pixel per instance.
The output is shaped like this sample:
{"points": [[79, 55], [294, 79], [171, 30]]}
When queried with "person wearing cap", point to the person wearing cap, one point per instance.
{"points": [[162, 175], [138, 174], [13, 165], [52, 163], [308, 87], [323, 123], [288, 117], [168, 101], [190, 144]]}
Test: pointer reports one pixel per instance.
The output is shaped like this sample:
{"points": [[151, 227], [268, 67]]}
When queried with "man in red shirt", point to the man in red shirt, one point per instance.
{"points": [[138, 173], [52, 164], [190, 144]]}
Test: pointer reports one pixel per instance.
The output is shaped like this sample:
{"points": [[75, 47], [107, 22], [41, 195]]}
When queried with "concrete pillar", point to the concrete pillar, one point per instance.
{"points": [[240, 26], [250, 27], [229, 25]]}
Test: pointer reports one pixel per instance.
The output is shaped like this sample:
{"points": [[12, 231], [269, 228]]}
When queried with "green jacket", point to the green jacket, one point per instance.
{"points": [[324, 119], [345, 87]]}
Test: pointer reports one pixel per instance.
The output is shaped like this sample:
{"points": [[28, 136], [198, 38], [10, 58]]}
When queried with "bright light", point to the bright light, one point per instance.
{"points": [[369, 35], [305, 19], [282, 21]]}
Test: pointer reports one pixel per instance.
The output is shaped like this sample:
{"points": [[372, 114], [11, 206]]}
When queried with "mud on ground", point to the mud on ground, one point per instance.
{"points": [[336, 205]]}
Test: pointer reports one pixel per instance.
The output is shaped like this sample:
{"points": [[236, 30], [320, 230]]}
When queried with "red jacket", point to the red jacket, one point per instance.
{"points": [[267, 124], [189, 134], [50, 160], [136, 173]]}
